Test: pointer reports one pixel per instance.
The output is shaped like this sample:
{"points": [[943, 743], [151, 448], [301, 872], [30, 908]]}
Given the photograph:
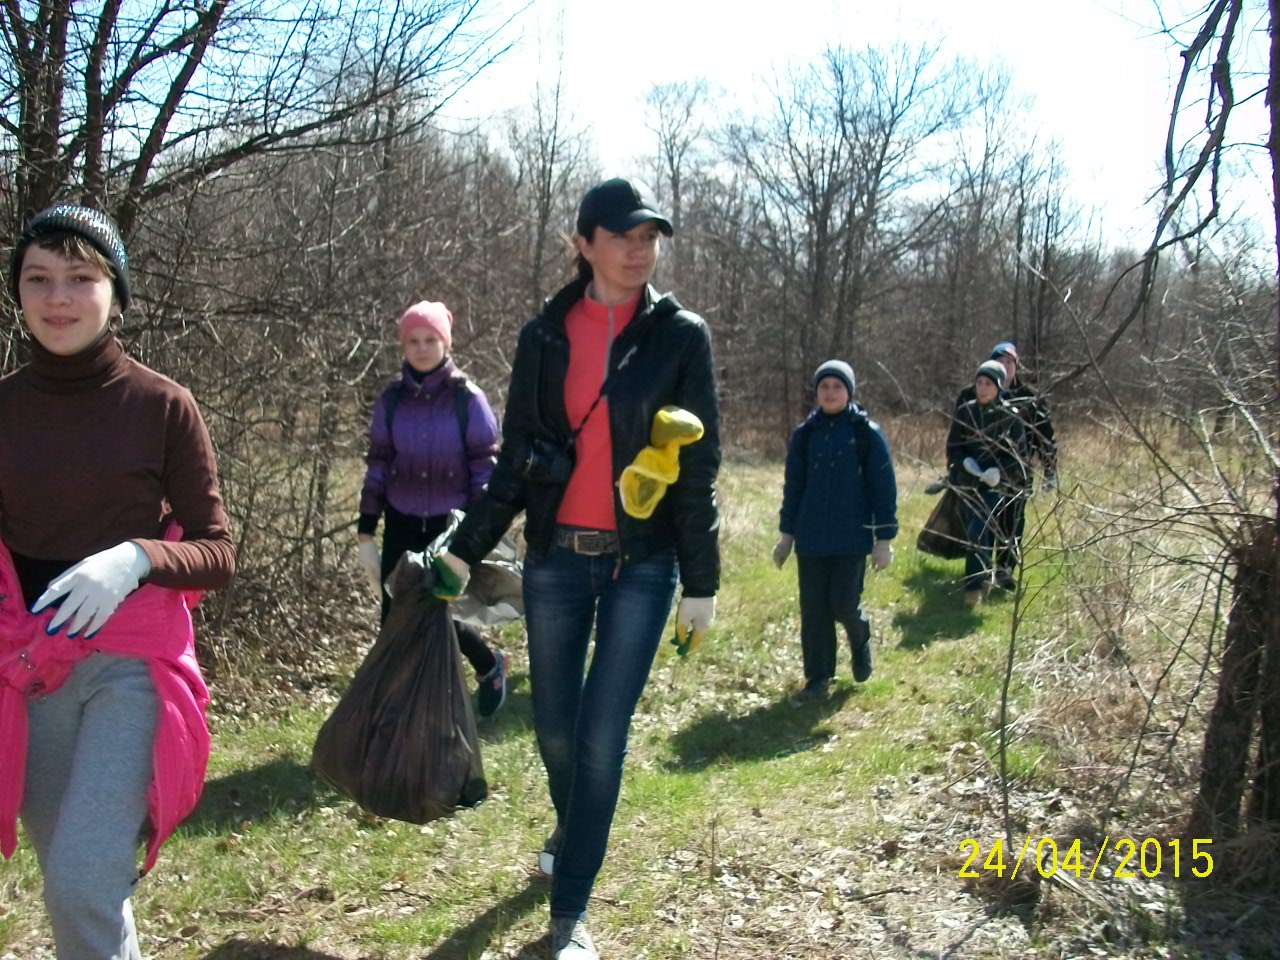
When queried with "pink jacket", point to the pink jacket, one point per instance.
{"points": [[153, 624]]}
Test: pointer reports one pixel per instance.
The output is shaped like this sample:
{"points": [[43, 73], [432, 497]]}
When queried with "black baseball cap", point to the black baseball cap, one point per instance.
{"points": [[618, 205]]}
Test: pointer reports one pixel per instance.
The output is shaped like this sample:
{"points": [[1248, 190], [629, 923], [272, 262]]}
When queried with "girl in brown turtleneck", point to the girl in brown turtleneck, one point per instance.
{"points": [[97, 455]]}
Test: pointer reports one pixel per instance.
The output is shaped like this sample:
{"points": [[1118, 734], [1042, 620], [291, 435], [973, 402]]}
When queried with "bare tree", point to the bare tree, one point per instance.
{"points": [[847, 173], [675, 119], [548, 155], [1189, 172], [128, 103]]}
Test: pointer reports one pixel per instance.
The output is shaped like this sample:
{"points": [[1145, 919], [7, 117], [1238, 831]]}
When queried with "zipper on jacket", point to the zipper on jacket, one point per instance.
{"points": [[608, 348], [640, 320]]}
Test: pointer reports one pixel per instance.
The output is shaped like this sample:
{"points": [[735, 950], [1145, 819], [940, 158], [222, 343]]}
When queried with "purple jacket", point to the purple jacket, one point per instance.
{"points": [[421, 467]]}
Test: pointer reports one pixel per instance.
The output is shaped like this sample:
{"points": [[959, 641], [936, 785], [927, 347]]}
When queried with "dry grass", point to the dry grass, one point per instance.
{"points": [[751, 827]]}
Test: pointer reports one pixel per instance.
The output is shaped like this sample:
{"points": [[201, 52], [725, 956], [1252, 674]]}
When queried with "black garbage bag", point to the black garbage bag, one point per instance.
{"points": [[402, 740], [944, 534]]}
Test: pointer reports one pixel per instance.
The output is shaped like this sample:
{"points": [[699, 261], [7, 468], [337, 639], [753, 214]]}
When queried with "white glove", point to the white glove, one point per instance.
{"points": [[1050, 483], [372, 564], [881, 554], [94, 587], [693, 619], [971, 466], [990, 476], [782, 549]]}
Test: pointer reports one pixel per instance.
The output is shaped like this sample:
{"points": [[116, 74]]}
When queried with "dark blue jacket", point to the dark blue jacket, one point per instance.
{"points": [[828, 504]]}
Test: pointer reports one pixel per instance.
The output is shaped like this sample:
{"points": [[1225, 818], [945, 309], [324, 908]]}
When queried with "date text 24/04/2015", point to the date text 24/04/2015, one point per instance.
{"points": [[1147, 857]]}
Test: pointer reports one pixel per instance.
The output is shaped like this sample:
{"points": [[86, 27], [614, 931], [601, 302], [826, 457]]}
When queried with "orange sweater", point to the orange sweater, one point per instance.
{"points": [[588, 499]]}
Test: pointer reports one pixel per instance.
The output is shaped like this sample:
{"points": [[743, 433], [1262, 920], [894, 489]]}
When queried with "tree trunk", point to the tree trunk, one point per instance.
{"points": [[1267, 789], [326, 433], [1216, 810], [1264, 796], [1273, 101]]}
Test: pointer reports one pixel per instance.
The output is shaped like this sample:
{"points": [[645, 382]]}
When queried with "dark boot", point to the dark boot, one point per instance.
{"points": [[860, 647]]}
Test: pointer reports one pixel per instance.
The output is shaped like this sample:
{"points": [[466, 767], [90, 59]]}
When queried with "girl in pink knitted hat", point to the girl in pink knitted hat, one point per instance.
{"points": [[432, 443]]}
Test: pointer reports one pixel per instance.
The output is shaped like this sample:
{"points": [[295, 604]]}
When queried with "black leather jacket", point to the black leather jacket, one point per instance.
{"points": [[994, 436], [662, 357], [1034, 411]]}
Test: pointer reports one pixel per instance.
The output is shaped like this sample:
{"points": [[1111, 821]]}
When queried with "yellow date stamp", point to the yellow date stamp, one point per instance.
{"points": [[1148, 857]]}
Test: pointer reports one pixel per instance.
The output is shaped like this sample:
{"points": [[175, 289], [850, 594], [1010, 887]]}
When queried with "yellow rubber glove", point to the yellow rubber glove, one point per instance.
{"points": [[644, 482]]}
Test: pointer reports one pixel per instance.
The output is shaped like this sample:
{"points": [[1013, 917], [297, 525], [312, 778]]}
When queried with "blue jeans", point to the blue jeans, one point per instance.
{"points": [[982, 507], [582, 726]]}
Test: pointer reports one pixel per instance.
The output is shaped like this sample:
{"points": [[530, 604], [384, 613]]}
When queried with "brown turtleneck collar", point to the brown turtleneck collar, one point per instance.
{"points": [[90, 368]]}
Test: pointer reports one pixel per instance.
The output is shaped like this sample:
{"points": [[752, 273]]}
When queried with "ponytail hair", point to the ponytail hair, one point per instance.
{"points": [[581, 268]]}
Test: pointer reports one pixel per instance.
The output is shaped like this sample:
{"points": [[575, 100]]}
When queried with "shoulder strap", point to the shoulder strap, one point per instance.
{"points": [[862, 431], [806, 428], [462, 407], [462, 410], [390, 400]]}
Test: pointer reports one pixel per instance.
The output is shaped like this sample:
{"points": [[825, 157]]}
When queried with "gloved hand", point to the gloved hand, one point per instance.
{"points": [[971, 466], [452, 575], [881, 554], [372, 564], [693, 619], [94, 587], [782, 549], [990, 476], [1050, 483]]}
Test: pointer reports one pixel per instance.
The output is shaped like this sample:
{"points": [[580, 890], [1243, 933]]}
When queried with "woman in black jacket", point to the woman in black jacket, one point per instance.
{"points": [[590, 373]]}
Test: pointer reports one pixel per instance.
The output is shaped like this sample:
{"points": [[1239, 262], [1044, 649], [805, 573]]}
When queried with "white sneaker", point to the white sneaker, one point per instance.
{"points": [[547, 858], [570, 940]]}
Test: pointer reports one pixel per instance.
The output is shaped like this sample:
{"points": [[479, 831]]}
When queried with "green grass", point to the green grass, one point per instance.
{"points": [[748, 826]]}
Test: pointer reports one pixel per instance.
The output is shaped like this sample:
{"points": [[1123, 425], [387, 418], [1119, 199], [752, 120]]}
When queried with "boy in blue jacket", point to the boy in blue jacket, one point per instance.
{"points": [[839, 506]]}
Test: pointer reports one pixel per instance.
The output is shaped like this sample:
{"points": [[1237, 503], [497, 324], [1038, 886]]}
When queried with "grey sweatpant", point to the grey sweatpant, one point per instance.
{"points": [[88, 767]]}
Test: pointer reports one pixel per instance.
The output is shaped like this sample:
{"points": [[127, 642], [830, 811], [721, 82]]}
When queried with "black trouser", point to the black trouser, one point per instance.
{"points": [[1011, 520], [830, 593], [403, 533]]}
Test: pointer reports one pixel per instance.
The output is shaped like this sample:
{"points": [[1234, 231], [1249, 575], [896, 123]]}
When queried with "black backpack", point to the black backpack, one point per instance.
{"points": [[461, 408]]}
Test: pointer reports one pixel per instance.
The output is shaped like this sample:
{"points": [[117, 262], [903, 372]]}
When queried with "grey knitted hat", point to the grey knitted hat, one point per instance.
{"points": [[93, 225], [838, 369], [994, 371]]}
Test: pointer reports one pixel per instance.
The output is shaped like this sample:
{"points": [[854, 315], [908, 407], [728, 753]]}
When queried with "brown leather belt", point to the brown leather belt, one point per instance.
{"points": [[588, 543]]}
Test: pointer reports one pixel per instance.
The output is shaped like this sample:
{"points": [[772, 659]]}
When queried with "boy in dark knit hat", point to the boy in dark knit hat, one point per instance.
{"points": [[111, 521], [839, 506], [1032, 408], [986, 459]]}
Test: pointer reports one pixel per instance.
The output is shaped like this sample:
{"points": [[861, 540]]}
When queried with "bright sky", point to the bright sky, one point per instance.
{"points": [[1098, 72]]}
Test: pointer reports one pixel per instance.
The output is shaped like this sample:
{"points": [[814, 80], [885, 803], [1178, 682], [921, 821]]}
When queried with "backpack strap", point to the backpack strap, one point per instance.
{"points": [[462, 410], [390, 400], [862, 433]]}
